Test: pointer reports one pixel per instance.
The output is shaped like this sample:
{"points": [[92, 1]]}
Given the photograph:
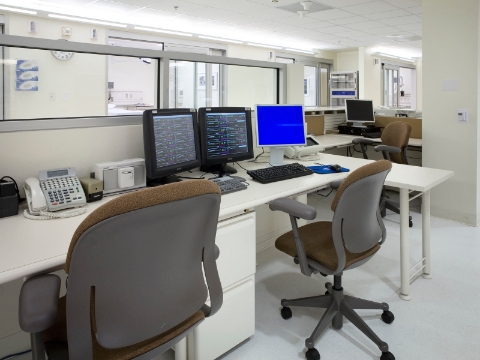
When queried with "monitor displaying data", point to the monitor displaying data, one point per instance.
{"points": [[225, 137], [226, 134], [280, 125], [174, 139], [171, 143], [359, 110]]}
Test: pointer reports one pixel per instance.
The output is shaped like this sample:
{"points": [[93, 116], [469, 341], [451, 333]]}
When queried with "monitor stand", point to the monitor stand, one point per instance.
{"points": [[163, 180], [220, 169], [358, 124], [276, 156]]}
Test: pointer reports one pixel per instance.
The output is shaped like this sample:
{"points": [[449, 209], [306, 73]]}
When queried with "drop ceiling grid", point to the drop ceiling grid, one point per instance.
{"points": [[349, 21]]}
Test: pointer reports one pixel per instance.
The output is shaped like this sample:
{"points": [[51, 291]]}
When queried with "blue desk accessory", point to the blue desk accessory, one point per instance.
{"points": [[325, 169]]}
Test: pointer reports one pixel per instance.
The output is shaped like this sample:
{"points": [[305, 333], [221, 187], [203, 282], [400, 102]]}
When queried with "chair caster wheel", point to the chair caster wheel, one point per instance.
{"points": [[313, 354], [387, 318], [327, 293], [387, 356], [410, 222], [286, 312]]}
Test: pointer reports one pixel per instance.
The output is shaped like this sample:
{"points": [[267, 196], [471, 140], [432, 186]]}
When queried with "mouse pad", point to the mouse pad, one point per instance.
{"points": [[325, 169]]}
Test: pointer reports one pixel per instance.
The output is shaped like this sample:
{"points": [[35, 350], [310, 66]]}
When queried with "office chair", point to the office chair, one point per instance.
{"points": [[135, 280], [394, 148], [350, 240]]}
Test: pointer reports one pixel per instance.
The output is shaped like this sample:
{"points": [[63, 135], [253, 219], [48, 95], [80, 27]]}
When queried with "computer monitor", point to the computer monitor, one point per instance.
{"points": [[359, 111], [225, 137], [279, 126], [170, 138]]}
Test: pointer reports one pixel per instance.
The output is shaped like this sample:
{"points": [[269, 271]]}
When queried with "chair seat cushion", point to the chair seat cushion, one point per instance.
{"points": [[58, 334], [318, 243]]}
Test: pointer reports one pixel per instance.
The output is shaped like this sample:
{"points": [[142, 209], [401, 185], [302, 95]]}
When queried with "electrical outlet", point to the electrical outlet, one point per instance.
{"points": [[462, 115]]}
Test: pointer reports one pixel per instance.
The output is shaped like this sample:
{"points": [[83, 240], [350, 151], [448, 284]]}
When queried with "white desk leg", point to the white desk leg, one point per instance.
{"points": [[181, 349], [303, 199], [426, 234], [404, 246]]}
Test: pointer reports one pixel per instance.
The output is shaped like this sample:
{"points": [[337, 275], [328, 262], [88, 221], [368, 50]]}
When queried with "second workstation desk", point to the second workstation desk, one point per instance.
{"points": [[31, 247], [330, 141]]}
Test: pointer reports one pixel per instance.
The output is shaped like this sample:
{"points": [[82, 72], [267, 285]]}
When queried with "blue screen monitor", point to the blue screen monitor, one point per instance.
{"points": [[279, 126]]}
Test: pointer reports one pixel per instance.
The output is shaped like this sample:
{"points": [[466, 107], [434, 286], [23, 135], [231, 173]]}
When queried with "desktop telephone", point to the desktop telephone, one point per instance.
{"points": [[54, 190]]}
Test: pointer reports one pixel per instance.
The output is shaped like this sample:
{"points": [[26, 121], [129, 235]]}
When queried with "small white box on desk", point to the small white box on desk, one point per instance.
{"points": [[119, 176]]}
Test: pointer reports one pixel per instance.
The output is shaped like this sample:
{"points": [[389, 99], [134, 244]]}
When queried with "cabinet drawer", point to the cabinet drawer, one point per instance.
{"points": [[236, 241], [232, 324]]}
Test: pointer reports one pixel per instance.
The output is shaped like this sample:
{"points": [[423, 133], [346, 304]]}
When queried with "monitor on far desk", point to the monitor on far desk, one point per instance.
{"points": [[359, 111], [280, 126]]}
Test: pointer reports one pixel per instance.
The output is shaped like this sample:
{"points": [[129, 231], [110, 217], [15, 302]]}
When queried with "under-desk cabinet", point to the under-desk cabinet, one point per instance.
{"points": [[235, 321]]}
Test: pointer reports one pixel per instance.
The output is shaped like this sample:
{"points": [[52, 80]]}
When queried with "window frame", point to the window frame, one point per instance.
{"points": [[163, 60]]}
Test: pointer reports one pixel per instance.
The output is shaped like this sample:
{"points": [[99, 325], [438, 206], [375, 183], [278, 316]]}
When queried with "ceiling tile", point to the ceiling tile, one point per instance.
{"points": [[266, 24], [386, 30], [272, 4], [239, 19], [416, 32], [369, 8], [183, 7], [402, 20], [350, 34], [415, 10], [410, 27], [343, 3], [349, 20], [110, 6], [240, 6], [297, 20], [315, 25], [334, 29], [404, 3], [368, 38], [365, 25], [270, 14], [387, 14], [74, 3], [141, 3], [352, 43], [204, 2], [212, 13], [328, 15]]}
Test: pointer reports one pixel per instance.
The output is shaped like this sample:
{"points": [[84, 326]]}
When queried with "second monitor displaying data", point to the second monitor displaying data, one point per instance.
{"points": [[225, 136]]}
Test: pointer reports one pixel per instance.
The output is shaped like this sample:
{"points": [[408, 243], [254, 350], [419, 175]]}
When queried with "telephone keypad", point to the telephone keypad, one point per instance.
{"points": [[57, 191]]}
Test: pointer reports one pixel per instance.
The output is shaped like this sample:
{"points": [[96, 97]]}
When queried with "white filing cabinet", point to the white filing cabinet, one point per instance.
{"points": [[235, 321]]}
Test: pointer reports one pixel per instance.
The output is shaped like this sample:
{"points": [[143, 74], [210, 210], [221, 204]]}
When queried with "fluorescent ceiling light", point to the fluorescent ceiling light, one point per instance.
{"points": [[302, 51], [220, 39], [18, 10], [265, 46], [91, 21], [162, 31], [394, 57]]}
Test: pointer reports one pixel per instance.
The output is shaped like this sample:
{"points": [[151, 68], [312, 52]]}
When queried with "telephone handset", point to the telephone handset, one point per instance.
{"points": [[54, 190]]}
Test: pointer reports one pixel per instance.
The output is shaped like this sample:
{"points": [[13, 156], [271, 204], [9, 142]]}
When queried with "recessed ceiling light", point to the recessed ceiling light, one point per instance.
{"points": [[18, 10], [394, 36], [265, 46], [90, 21], [220, 39], [162, 31], [302, 51]]}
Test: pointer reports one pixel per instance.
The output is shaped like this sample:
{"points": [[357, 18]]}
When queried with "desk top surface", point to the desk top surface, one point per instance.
{"points": [[334, 140], [32, 246]]}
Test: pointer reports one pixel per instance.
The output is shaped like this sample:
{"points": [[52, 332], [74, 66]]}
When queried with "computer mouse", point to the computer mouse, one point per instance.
{"points": [[335, 167]]}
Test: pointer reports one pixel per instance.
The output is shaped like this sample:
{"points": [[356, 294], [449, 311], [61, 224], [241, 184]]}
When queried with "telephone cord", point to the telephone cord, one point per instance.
{"points": [[45, 215]]}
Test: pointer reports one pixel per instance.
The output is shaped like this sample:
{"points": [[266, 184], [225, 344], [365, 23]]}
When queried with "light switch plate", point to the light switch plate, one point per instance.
{"points": [[462, 115]]}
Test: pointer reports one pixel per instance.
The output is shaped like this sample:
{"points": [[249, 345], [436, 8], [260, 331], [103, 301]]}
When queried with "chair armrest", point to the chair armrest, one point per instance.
{"points": [[210, 255], [388, 149], [38, 304], [362, 141], [293, 208], [336, 184]]}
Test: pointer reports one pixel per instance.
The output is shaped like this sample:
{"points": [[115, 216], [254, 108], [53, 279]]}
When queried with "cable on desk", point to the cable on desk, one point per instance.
{"points": [[240, 166], [255, 160], [191, 178], [318, 193], [14, 355]]}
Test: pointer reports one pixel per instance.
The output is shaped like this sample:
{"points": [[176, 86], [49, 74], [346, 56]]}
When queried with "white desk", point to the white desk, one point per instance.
{"points": [[340, 140], [30, 247]]}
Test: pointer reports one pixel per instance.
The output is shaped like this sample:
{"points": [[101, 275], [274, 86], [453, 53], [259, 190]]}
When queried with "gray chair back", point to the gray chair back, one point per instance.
{"points": [[357, 225], [136, 266]]}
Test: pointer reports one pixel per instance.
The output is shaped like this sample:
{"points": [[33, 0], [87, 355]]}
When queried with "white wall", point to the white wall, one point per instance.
{"points": [[448, 144], [347, 61], [419, 64]]}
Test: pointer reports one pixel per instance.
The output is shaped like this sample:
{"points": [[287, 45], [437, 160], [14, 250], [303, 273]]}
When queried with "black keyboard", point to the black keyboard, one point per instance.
{"points": [[278, 173], [373, 135]]}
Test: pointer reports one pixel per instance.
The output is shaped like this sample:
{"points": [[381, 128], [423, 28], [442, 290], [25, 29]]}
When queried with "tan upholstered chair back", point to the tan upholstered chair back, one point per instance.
{"points": [[397, 134], [140, 259]]}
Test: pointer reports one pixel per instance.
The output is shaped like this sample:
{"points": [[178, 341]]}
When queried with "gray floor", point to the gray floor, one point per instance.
{"points": [[441, 321]]}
